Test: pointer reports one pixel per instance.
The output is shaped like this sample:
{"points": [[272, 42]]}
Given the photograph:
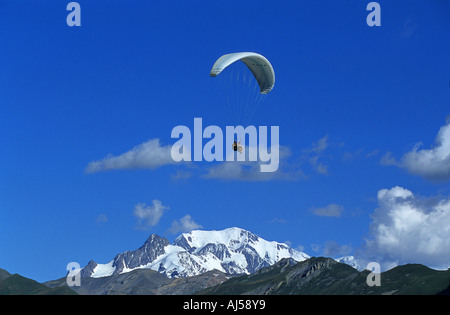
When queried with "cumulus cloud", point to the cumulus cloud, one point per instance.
{"points": [[185, 224], [149, 155], [408, 229], [433, 163], [332, 210], [149, 216]]}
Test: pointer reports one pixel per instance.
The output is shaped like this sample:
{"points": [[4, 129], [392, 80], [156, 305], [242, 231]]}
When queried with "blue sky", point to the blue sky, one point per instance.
{"points": [[351, 101]]}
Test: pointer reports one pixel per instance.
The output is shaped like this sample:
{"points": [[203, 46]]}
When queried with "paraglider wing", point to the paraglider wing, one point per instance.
{"points": [[260, 67]]}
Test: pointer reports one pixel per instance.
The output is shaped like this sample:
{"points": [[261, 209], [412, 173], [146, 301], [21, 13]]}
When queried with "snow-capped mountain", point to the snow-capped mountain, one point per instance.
{"points": [[233, 251], [351, 261]]}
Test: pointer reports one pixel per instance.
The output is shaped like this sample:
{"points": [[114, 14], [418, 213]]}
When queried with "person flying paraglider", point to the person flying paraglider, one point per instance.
{"points": [[261, 69], [237, 146]]}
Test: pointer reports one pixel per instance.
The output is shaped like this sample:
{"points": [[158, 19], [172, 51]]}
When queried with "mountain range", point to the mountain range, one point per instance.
{"points": [[233, 251], [231, 261], [326, 276]]}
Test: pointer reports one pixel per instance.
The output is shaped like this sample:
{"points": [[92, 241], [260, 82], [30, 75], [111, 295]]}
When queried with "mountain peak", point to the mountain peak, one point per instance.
{"points": [[231, 237], [154, 243], [232, 250], [155, 238]]}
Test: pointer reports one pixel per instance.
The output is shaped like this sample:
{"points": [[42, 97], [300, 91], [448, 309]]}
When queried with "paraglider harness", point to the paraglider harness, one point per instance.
{"points": [[237, 146]]}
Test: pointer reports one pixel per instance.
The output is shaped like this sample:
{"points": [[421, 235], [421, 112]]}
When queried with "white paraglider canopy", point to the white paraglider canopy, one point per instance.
{"points": [[260, 67]]}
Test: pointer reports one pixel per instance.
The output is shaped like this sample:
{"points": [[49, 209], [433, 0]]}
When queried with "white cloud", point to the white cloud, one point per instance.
{"points": [[332, 210], [388, 159], [251, 171], [149, 155], [319, 146], [408, 229], [431, 163], [185, 224], [247, 171], [149, 216]]}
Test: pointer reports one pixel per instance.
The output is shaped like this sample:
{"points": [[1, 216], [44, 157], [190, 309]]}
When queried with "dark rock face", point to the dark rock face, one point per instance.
{"points": [[152, 248]]}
